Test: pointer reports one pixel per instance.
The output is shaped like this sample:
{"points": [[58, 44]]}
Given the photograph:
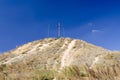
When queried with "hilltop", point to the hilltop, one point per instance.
{"points": [[54, 54]]}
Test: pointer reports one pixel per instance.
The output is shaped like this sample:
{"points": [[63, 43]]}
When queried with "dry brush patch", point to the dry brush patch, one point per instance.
{"points": [[104, 72], [68, 73]]}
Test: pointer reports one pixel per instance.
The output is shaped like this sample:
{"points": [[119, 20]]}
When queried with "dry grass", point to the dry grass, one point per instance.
{"points": [[104, 72], [98, 73], [43, 75], [68, 73], [73, 73], [43, 63]]}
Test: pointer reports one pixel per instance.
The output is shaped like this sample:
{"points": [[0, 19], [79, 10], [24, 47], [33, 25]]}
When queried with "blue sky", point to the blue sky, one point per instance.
{"points": [[95, 21]]}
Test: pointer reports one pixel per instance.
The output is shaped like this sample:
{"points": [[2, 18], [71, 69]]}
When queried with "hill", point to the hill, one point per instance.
{"points": [[53, 56]]}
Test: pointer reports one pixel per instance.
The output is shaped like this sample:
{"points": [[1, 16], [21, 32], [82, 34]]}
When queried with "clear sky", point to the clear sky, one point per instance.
{"points": [[95, 21]]}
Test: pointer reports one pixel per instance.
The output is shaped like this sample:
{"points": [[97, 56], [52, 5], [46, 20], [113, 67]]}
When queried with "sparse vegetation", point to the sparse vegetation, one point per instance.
{"points": [[2, 66], [41, 60], [69, 73], [44, 75]]}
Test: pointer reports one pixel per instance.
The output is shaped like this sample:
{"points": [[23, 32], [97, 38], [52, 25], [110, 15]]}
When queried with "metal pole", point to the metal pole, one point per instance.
{"points": [[63, 32], [59, 30]]}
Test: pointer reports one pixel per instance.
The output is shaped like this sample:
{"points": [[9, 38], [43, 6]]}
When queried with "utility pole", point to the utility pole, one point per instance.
{"points": [[59, 30], [63, 32]]}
